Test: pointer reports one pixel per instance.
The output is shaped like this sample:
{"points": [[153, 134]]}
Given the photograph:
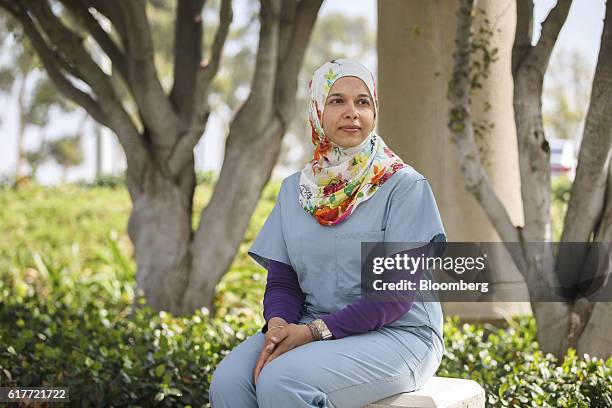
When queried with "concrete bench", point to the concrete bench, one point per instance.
{"points": [[439, 392]]}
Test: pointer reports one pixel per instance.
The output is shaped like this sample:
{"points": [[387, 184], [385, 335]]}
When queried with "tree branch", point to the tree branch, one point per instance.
{"points": [[589, 187], [91, 24], [52, 63], [113, 14], [529, 65], [587, 205], [522, 34], [603, 230], [261, 97], [460, 124], [185, 145], [209, 71], [286, 25], [539, 55], [187, 55], [70, 45], [155, 108], [550, 31], [183, 148], [293, 44], [71, 48]]}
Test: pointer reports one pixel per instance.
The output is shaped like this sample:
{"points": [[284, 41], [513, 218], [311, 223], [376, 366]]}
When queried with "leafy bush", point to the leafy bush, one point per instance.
{"points": [[515, 373], [67, 316], [107, 357], [109, 181]]}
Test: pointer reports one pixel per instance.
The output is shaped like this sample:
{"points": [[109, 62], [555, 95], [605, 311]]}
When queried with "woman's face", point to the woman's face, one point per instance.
{"points": [[348, 115]]}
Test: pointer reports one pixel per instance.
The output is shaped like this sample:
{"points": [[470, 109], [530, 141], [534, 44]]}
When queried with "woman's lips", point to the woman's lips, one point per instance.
{"points": [[351, 129]]}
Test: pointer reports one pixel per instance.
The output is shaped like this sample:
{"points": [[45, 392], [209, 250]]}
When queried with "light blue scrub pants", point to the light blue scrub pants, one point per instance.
{"points": [[342, 373]]}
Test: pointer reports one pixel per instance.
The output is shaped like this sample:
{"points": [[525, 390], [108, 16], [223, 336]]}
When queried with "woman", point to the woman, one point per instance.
{"points": [[324, 344]]}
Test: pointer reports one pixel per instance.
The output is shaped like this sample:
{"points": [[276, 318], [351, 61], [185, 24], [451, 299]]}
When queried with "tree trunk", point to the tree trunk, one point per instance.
{"points": [[21, 129], [413, 122], [534, 159], [160, 228]]}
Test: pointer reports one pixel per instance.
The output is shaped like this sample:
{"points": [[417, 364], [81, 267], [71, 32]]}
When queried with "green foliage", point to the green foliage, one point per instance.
{"points": [[107, 357], [66, 151], [67, 316], [109, 180], [515, 373]]}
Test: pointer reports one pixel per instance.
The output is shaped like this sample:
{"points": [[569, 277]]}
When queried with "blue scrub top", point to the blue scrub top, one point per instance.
{"points": [[327, 258]]}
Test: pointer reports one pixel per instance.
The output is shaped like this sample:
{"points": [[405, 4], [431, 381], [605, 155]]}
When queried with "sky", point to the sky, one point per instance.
{"points": [[582, 31]]}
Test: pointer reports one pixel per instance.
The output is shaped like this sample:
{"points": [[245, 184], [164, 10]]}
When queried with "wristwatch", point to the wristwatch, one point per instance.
{"points": [[322, 328]]}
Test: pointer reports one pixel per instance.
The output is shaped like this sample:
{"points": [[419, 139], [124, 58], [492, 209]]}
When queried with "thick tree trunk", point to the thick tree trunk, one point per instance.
{"points": [[534, 159], [160, 228], [413, 122]]}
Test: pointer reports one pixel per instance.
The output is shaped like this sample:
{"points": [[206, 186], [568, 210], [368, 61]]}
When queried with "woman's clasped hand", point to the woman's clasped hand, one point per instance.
{"points": [[280, 338]]}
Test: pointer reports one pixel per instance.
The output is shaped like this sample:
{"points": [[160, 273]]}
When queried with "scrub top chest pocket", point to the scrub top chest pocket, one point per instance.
{"points": [[331, 262], [348, 259]]}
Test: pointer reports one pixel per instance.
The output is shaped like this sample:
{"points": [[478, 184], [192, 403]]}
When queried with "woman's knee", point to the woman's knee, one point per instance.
{"points": [[284, 385], [427, 368], [235, 372], [229, 381]]}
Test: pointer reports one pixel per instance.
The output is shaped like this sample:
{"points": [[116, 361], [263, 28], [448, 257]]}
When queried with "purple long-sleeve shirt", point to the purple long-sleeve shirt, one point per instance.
{"points": [[284, 298]]}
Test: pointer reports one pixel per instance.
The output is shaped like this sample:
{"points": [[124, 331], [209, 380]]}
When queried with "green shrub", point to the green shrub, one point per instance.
{"points": [[108, 357], [515, 373], [108, 181]]}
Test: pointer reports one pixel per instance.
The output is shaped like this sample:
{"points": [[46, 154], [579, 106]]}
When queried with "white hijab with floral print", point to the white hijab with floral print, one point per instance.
{"points": [[338, 179]]}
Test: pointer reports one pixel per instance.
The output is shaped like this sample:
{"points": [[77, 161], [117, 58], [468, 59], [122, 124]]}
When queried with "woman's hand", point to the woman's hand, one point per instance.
{"points": [[279, 341], [274, 324]]}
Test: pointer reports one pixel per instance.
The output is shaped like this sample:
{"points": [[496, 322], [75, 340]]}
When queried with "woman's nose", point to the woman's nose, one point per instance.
{"points": [[351, 112]]}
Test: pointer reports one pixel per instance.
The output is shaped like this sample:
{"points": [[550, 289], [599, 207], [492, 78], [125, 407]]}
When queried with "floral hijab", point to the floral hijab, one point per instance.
{"points": [[338, 179]]}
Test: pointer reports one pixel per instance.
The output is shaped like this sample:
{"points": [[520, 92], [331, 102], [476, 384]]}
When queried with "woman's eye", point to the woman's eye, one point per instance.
{"points": [[364, 101], [335, 101]]}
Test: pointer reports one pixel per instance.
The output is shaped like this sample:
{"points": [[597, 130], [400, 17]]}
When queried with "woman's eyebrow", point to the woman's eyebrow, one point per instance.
{"points": [[342, 95]]}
